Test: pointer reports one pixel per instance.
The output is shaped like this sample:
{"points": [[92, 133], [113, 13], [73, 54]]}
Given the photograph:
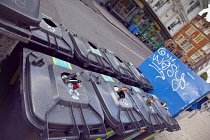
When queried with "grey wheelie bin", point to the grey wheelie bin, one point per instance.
{"points": [[119, 110], [141, 81], [121, 70], [15, 18], [153, 119], [89, 56], [51, 38], [171, 123], [51, 100]]}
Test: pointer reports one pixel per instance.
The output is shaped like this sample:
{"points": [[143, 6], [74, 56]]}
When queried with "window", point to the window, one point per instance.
{"points": [[198, 38], [183, 43], [159, 4], [206, 48], [199, 23], [194, 5], [180, 38], [207, 31], [178, 55], [191, 2], [188, 48], [197, 56], [190, 31], [173, 24], [123, 7]]}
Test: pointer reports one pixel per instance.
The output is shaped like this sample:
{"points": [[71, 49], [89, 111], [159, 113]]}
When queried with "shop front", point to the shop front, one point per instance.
{"points": [[122, 9], [138, 17]]}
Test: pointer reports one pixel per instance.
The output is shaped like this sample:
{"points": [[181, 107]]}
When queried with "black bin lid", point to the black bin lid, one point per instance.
{"points": [[171, 123], [121, 70], [53, 39], [21, 11], [58, 103], [120, 113], [141, 81], [90, 55], [153, 119]]}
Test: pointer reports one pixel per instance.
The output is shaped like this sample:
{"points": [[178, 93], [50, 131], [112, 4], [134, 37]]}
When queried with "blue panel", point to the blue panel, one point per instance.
{"points": [[173, 81]]}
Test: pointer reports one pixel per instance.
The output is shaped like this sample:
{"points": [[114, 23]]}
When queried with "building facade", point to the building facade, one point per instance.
{"points": [[174, 14], [192, 43], [138, 13]]}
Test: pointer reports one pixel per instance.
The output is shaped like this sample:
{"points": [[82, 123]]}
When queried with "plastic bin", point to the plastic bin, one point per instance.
{"points": [[21, 12], [120, 69], [47, 102], [15, 18], [171, 123], [119, 110], [135, 31], [90, 56], [52, 39], [153, 119], [132, 27], [141, 81]]}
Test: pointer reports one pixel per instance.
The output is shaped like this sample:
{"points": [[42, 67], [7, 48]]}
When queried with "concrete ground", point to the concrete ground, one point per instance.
{"points": [[194, 128]]}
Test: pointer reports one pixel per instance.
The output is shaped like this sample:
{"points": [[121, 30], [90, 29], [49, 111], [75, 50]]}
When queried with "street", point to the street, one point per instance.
{"points": [[79, 18]]}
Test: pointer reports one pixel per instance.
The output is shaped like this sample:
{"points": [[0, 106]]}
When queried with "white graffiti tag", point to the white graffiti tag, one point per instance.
{"points": [[166, 66], [20, 3]]}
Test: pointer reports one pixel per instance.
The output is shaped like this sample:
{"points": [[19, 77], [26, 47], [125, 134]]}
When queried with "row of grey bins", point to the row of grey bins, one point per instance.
{"points": [[54, 99], [67, 87], [58, 41]]}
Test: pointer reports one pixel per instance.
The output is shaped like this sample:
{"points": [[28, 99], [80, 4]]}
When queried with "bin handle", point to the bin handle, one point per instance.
{"points": [[98, 81], [121, 67], [134, 122], [44, 135], [97, 57], [107, 62]]}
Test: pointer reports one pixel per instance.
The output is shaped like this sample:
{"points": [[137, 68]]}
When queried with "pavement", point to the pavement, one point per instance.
{"points": [[194, 126]]}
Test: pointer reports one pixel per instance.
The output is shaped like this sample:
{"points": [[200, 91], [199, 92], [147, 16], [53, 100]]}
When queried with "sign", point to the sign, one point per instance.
{"points": [[62, 63], [139, 3]]}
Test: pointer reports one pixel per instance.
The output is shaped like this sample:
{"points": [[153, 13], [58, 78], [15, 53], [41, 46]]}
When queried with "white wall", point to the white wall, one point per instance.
{"points": [[167, 15]]}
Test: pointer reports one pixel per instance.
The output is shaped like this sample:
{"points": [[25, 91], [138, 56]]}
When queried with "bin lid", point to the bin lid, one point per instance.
{"points": [[56, 97], [119, 110], [121, 70], [52, 38], [143, 103], [90, 54], [21, 11], [141, 81], [171, 123]]}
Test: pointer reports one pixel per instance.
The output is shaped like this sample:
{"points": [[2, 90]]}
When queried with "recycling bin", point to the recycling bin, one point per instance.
{"points": [[141, 81], [52, 99], [119, 110], [121, 70], [90, 56], [135, 31], [171, 123], [15, 18], [132, 27], [22, 13], [51, 38], [152, 117]]}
